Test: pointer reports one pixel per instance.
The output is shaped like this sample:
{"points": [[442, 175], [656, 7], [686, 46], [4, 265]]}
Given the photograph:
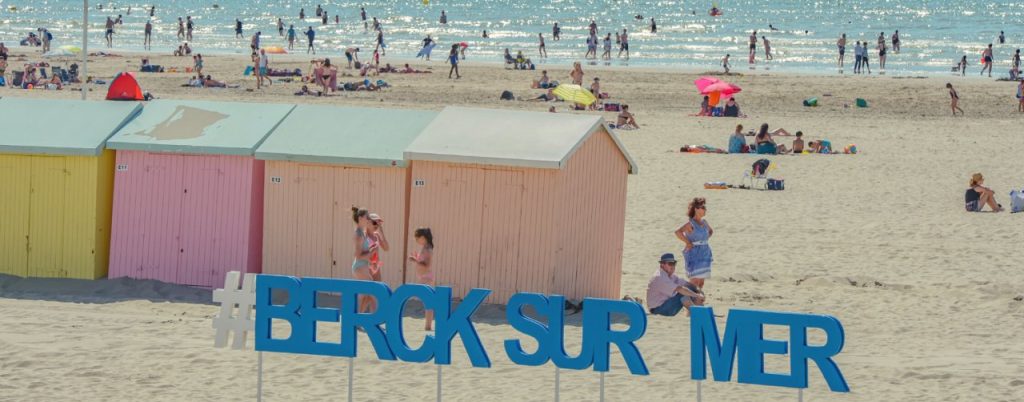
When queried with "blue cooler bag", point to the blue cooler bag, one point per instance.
{"points": [[776, 184]]}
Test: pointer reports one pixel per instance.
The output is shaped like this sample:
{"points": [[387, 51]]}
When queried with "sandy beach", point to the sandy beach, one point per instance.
{"points": [[930, 298]]}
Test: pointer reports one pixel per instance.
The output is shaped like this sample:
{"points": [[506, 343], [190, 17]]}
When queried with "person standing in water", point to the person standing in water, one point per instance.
{"points": [[238, 28], [152, 9], [986, 56], [1016, 62], [424, 269], [963, 66], [896, 41], [725, 64], [541, 49], [654, 26], [280, 27], [310, 38], [767, 48], [147, 41], [624, 44], [841, 44], [453, 59], [864, 58], [381, 47], [110, 32], [881, 53], [181, 29], [189, 27], [444, 18], [954, 99], [302, 13], [695, 234], [753, 47], [362, 15], [291, 37], [607, 55], [556, 32], [1002, 38]]}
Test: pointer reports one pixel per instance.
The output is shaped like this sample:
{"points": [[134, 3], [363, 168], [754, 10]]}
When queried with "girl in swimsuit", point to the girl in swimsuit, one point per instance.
{"points": [[378, 243], [954, 99], [363, 250], [423, 259]]}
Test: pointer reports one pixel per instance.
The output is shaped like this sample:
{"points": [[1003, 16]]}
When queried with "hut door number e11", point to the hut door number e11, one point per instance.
{"points": [[122, 168]]}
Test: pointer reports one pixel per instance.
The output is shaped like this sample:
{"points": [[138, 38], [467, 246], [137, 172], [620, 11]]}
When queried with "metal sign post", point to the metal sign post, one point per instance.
{"points": [[351, 376], [557, 383], [602, 386], [259, 377], [85, 48], [438, 383], [800, 394], [698, 390]]}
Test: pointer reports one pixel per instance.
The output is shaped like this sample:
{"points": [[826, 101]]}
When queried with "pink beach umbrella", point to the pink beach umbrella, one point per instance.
{"points": [[704, 82], [715, 90]]}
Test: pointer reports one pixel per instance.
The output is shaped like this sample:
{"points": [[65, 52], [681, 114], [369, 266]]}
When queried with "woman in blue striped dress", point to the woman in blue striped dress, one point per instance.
{"points": [[695, 234]]}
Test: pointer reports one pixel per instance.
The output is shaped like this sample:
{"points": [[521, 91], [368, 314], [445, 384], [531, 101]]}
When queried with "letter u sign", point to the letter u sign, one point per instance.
{"points": [[744, 341]]}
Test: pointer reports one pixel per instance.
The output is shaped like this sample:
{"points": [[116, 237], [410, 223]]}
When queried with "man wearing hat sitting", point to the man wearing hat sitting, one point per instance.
{"points": [[668, 293]]}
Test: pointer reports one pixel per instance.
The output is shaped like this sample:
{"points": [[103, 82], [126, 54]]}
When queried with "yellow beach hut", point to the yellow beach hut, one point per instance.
{"points": [[58, 181]]}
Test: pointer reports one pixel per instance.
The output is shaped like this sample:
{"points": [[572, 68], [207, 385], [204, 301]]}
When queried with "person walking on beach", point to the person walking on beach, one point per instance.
{"points": [[695, 234], [280, 27], [109, 35], [238, 28], [859, 58], [47, 38], [963, 66], [1020, 97], [189, 27], [377, 238], [254, 44], [593, 27], [310, 38], [667, 293], [424, 269], [986, 56], [841, 44], [291, 37], [147, 39], [1016, 62], [197, 64], [591, 47], [263, 67], [181, 29], [896, 41], [954, 100], [364, 248], [725, 63], [624, 44], [753, 47], [541, 49], [453, 59], [556, 32], [767, 48]]}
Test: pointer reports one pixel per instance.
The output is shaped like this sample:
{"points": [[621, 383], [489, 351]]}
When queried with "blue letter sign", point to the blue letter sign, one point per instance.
{"points": [[744, 339]]}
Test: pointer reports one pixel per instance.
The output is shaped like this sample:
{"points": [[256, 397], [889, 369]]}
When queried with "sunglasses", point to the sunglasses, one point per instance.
{"points": [[702, 207]]}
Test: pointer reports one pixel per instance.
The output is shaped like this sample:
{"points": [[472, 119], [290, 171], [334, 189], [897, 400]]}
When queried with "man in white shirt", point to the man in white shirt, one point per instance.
{"points": [[668, 293], [262, 69]]}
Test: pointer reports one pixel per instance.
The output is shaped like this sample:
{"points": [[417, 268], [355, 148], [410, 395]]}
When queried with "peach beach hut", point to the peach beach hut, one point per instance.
{"points": [[188, 193], [521, 201], [57, 184], [320, 162]]}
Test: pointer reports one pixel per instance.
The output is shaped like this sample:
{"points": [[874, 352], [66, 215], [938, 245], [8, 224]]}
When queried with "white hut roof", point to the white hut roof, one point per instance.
{"points": [[60, 127], [507, 138]]}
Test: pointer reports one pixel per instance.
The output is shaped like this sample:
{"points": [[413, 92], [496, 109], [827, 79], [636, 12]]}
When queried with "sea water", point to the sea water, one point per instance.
{"points": [[934, 33]]}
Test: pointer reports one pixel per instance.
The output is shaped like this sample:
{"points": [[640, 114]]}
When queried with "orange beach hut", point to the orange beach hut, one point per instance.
{"points": [[320, 162], [521, 201]]}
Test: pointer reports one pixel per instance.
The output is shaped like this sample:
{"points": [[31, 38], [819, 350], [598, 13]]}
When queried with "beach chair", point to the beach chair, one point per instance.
{"points": [[757, 176]]}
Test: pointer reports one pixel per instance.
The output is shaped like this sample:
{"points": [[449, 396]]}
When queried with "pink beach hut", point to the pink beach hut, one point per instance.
{"points": [[521, 201], [188, 194], [320, 162]]}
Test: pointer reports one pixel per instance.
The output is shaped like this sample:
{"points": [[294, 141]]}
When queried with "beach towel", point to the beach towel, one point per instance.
{"points": [[736, 144], [425, 52], [1016, 201]]}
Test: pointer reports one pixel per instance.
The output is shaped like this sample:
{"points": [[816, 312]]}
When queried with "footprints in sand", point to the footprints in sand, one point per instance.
{"points": [[821, 281]]}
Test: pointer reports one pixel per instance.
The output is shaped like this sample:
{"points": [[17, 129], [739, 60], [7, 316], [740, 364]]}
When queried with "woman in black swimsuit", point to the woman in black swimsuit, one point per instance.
{"points": [[954, 99]]}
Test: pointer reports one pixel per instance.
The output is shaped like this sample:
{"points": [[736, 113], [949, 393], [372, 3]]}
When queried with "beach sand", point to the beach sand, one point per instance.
{"points": [[930, 298]]}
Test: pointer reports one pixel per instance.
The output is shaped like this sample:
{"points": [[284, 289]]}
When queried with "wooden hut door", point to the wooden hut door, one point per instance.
{"points": [[352, 187], [14, 212], [157, 184], [313, 198], [499, 233], [46, 218], [214, 222]]}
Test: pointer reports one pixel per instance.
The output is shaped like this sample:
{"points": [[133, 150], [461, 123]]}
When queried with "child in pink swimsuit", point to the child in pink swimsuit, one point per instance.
{"points": [[422, 259]]}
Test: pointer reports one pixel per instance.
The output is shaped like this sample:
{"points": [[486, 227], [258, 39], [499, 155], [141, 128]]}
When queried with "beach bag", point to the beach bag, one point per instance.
{"points": [[507, 95], [612, 107], [776, 184], [1016, 201], [861, 102], [248, 71], [3, 82], [760, 167], [811, 102], [358, 65]]}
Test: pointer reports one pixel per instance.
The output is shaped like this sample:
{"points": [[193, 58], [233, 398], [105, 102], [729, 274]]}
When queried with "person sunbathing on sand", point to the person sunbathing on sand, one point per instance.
{"points": [[543, 82], [209, 82], [978, 196], [626, 119], [798, 143]]}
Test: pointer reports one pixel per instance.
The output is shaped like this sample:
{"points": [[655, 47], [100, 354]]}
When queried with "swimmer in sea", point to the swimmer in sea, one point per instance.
{"points": [[772, 28]]}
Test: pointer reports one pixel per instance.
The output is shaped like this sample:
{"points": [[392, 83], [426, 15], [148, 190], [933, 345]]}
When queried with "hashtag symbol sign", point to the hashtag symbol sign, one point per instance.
{"points": [[230, 298]]}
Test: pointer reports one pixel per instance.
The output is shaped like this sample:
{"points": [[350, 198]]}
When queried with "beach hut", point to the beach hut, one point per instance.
{"points": [[522, 201], [57, 181], [320, 162], [188, 194]]}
